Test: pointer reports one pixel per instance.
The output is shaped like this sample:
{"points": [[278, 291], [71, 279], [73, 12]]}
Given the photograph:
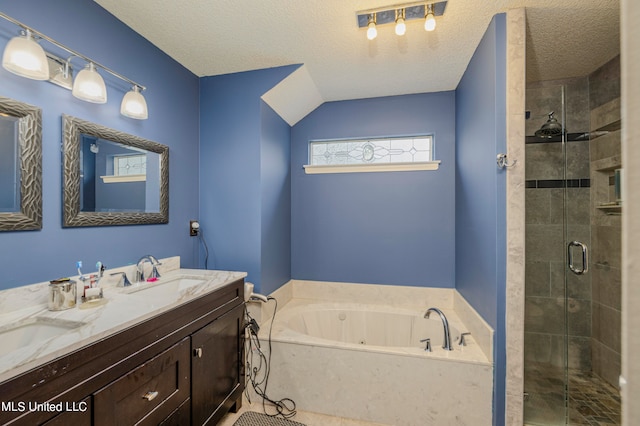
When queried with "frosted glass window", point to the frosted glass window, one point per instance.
{"points": [[125, 165], [371, 151]]}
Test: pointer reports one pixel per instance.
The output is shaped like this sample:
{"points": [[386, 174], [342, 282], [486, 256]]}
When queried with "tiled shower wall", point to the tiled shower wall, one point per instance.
{"points": [[544, 241], [604, 96]]}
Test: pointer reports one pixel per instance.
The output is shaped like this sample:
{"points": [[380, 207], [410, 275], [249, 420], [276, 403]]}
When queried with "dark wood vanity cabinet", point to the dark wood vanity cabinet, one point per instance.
{"points": [[216, 367], [181, 367]]}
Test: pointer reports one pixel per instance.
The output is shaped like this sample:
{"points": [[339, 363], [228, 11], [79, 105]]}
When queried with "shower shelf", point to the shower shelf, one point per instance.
{"points": [[608, 164], [612, 209]]}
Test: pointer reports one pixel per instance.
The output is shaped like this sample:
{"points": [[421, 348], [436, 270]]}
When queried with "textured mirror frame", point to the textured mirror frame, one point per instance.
{"points": [[30, 142], [72, 129]]}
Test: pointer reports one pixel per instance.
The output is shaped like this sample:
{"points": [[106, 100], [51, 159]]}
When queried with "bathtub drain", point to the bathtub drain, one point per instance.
{"points": [[363, 342]]}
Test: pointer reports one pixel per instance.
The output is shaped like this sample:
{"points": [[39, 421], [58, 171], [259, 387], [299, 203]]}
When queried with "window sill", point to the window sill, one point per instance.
{"points": [[377, 167], [124, 178]]}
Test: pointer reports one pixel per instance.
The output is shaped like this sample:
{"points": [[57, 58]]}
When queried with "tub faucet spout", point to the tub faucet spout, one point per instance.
{"points": [[446, 345]]}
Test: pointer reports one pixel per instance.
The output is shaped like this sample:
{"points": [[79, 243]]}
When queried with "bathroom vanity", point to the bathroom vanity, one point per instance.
{"points": [[179, 363]]}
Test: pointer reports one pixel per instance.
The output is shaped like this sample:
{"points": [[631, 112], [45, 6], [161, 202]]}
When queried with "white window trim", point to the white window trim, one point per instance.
{"points": [[123, 178], [373, 167]]}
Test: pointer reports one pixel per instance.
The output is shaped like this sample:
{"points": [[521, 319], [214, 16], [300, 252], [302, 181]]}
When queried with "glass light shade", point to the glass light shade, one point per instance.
{"points": [[430, 22], [372, 32], [25, 57], [89, 86], [401, 27], [134, 105]]}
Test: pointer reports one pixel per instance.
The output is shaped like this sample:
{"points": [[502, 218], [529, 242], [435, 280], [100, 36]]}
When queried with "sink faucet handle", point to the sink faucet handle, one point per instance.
{"points": [[427, 347], [154, 272], [124, 281], [462, 341]]}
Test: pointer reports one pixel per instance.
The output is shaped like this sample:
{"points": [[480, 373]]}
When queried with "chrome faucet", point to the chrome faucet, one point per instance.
{"points": [[140, 268], [446, 345]]}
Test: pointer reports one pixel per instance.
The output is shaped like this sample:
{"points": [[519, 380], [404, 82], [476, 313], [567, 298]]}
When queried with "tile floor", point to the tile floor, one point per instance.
{"points": [[306, 417], [592, 401]]}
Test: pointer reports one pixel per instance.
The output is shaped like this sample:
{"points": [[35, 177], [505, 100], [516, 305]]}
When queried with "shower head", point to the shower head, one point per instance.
{"points": [[550, 129]]}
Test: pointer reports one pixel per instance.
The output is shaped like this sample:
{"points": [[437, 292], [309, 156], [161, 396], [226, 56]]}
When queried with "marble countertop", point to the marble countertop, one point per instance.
{"points": [[121, 308]]}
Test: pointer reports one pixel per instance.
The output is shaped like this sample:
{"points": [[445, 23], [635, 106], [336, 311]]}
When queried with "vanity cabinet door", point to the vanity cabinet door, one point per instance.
{"points": [[148, 394], [216, 364]]}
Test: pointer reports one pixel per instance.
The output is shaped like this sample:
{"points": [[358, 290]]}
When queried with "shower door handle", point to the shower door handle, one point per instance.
{"points": [[585, 257]]}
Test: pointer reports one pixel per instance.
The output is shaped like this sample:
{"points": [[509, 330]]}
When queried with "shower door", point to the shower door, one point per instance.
{"points": [[557, 280], [573, 250]]}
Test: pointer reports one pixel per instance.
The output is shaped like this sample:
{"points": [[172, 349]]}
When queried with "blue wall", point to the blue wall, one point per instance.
{"points": [[275, 181], [231, 192], [172, 97], [388, 228], [480, 191]]}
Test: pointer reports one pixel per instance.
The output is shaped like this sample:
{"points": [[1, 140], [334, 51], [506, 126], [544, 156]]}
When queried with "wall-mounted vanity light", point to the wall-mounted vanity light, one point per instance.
{"points": [[25, 57], [399, 14], [89, 86]]}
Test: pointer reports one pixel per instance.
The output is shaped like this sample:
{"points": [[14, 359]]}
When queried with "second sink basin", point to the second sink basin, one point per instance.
{"points": [[24, 333]]}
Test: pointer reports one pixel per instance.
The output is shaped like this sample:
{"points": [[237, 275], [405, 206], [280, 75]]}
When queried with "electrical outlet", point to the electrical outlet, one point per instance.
{"points": [[194, 228]]}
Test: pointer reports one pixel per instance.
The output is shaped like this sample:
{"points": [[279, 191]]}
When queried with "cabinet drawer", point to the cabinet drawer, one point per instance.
{"points": [[149, 393], [78, 415], [180, 417]]}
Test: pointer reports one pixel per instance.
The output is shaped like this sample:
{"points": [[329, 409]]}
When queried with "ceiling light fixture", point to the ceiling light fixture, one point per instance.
{"points": [[401, 27], [399, 15], [429, 19], [25, 57], [372, 32]]}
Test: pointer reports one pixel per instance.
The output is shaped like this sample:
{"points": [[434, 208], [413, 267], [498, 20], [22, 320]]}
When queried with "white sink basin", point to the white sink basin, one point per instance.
{"points": [[25, 332], [171, 285]]}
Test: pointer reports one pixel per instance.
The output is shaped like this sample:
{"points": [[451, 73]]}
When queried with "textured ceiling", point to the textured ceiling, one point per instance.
{"points": [[565, 38]]}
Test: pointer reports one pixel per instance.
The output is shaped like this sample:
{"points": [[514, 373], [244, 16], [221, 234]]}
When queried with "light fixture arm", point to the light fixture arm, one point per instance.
{"points": [[71, 51]]}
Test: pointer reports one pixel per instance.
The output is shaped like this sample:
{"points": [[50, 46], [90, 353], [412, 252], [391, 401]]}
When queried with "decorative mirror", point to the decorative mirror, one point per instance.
{"points": [[20, 166], [112, 178]]}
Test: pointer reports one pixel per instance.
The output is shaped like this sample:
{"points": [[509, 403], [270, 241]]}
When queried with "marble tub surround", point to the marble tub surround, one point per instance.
{"points": [[383, 384], [381, 387], [121, 311], [414, 299], [481, 331]]}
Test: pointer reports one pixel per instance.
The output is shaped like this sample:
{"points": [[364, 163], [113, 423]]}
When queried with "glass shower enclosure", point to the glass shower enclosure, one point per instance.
{"points": [[572, 228]]}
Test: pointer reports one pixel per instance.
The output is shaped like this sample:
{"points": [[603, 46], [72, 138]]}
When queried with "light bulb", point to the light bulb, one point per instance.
{"points": [[430, 20], [401, 27], [372, 32]]}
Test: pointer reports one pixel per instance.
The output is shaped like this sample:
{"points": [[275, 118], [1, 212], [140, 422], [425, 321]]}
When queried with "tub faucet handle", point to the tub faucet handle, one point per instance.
{"points": [[462, 341], [427, 347]]}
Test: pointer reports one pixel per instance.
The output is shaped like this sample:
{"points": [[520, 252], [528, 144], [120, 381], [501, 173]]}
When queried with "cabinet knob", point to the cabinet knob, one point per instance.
{"points": [[150, 396], [197, 352]]}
